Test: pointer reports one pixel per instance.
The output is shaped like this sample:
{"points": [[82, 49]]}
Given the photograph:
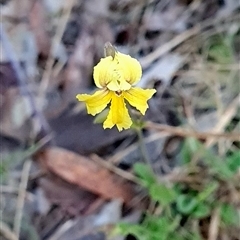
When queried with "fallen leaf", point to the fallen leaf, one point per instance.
{"points": [[78, 133], [71, 199], [79, 170]]}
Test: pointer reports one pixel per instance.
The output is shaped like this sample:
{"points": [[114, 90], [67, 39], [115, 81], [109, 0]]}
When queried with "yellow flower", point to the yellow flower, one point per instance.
{"points": [[115, 75]]}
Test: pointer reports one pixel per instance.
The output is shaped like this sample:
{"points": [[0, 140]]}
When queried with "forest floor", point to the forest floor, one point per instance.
{"points": [[173, 175]]}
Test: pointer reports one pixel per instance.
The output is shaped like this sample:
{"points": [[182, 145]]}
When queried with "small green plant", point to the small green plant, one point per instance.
{"points": [[220, 49], [11, 160], [185, 205]]}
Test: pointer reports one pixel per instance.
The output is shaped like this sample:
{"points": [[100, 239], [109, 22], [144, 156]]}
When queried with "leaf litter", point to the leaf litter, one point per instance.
{"points": [[194, 69]]}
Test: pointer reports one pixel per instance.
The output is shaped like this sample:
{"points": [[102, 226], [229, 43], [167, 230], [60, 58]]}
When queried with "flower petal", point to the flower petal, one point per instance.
{"points": [[108, 73], [103, 72], [118, 84], [97, 102], [138, 97], [131, 68], [118, 114], [117, 74]]}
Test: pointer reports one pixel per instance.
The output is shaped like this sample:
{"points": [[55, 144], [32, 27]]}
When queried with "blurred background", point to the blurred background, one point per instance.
{"points": [[174, 175]]}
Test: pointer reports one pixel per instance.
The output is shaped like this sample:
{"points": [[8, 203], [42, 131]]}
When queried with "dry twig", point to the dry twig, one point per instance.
{"points": [[214, 225], [121, 154], [21, 197], [124, 174], [55, 42], [6, 232], [227, 115], [182, 132], [179, 39]]}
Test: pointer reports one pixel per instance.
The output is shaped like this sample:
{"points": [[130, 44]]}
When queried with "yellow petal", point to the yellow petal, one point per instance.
{"points": [[131, 68], [117, 74], [108, 73], [118, 85], [118, 114], [97, 102], [103, 72], [138, 97]]}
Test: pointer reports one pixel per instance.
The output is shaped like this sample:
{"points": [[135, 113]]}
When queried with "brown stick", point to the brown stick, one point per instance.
{"points": [[182, 132]]}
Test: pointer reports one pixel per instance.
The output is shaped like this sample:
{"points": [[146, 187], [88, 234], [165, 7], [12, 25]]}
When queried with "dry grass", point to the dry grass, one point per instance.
{"points": [[202, 93]]}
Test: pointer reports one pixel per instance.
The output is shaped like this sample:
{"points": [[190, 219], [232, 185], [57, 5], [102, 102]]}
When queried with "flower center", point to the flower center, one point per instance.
{"points": [[118, 93]]}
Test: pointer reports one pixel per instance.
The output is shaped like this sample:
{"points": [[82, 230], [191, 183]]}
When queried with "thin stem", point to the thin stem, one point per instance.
{"points": [[142, 147]]}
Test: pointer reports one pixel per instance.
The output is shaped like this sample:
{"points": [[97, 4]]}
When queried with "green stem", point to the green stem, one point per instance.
{"points": [[142, 147]]}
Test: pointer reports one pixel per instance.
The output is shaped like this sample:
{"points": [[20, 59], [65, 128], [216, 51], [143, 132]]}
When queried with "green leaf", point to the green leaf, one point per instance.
{"points": [[162, 194], [126, 228], [184, 234], [216, 165], [3, 172], [220, 48], [230, 215], [145, 174], [207, 191], [186, 203], [161, 227], [156, 225], [233, 161], [221, 53], [190, 147], [219, 167], [202, 210]]}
